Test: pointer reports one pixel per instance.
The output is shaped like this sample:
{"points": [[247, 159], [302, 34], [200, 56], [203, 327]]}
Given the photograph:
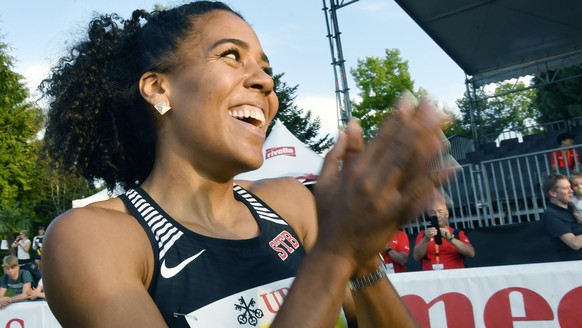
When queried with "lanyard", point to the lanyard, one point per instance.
{"points": [[436, 250]]}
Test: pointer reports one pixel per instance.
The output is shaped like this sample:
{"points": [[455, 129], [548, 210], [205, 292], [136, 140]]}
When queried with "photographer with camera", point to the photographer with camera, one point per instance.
{"points": [[440, 246], [22, 245]]}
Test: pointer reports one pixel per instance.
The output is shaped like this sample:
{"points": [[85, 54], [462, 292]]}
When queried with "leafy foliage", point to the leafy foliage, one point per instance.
{"points": [[20, 122], [509, 111], [561, 100], [381, 82], [57, 190], [30, 193], [300, 123]]}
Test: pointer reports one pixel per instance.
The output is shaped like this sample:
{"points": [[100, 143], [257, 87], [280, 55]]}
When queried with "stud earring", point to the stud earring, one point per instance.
{"points": [[162, 107]]}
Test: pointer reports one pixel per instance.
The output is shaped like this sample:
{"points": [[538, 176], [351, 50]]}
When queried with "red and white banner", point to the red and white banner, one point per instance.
{"points": [[513, 296], [531, 295], [34, 314]]}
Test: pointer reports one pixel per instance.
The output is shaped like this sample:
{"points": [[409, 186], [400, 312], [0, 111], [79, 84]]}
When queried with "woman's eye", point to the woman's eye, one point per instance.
{"points": [[231, 54]]}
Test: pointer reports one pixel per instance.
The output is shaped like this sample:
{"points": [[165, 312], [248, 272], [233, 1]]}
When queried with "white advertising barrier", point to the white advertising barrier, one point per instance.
{"points": [[513, 296], [35, 314]]}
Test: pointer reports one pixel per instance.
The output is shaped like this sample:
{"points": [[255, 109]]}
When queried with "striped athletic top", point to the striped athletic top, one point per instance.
{"points": [[200, 281]]}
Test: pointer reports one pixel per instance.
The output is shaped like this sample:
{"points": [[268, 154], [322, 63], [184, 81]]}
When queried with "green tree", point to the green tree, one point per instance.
{"points": [[493, 115], [301, 124], [20, 123], [454, 127], [30, 193], [381, 81], [57, 190], [561, 100]]}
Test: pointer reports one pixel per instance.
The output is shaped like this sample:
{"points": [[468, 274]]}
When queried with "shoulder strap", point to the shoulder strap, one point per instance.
{"points": [[130, 205], [257, 205], [163, 229]]}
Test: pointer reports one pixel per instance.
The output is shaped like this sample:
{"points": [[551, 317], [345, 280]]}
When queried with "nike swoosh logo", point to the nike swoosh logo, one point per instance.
{"points": [[170, 272]]}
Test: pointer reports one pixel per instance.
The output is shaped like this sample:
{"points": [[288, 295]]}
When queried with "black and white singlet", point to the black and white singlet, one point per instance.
{"points": [[201, 281]]}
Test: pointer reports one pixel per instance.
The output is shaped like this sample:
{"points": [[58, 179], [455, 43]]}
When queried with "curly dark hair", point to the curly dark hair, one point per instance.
{"points": [[98, 124]]}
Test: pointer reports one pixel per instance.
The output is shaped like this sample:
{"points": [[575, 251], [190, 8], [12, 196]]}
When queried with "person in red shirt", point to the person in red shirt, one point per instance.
{"points": [[451, 253], [562, 158], [396, 254]]}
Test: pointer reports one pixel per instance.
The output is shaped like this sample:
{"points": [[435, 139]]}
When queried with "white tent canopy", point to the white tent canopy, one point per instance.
{"points": [[286, 156], [102, 195]]}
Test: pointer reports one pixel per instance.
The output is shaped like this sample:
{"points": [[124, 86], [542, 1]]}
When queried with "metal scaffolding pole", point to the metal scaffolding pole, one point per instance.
{"points": [[344, 107]]}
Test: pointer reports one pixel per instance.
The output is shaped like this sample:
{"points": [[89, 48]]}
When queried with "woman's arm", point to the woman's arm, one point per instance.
{"points": [[359, 209], [25, 245], [380, 305], [96, 264]]}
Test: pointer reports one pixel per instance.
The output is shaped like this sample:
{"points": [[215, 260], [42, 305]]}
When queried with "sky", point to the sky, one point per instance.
{"points": [[293, 34]]}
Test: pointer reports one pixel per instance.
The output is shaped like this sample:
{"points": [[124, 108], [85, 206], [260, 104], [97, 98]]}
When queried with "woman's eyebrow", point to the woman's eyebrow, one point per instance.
{"points": [[239, 43]]}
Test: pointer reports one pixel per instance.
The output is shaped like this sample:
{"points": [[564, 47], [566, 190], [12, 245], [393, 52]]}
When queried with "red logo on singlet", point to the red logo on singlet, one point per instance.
{"points": [[284, 244]]}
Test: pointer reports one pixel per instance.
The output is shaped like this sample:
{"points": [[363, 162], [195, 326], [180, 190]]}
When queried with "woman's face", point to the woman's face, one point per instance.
{"points": [[222, 98]]}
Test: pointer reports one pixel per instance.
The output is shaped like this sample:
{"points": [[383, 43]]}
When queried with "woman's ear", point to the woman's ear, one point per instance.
{"points": [[152, 87]]}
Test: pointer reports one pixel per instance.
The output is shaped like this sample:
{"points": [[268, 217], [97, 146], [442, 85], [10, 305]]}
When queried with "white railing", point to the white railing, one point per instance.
{"points": [[497, 191]]}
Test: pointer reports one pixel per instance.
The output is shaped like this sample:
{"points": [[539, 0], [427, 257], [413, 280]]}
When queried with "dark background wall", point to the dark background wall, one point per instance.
{"points": [[520, 243]]}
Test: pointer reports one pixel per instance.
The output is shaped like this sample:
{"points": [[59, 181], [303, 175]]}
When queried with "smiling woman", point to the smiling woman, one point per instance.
{"points": [[170, 106]]}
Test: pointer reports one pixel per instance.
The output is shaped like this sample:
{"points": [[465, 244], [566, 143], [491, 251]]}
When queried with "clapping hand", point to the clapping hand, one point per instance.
{"points": [[365, 193]]}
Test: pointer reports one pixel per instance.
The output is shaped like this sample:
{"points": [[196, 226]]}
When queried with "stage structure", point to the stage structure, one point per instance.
{"points": [[498, 40], [491, 41], [342, 94]]}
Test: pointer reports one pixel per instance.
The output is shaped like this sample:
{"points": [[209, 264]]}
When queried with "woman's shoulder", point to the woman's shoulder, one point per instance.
{"points": [[102, 222], [291, 200], [93, 214], [97, 252], [97, 235], [271, 183], [278, 191]]}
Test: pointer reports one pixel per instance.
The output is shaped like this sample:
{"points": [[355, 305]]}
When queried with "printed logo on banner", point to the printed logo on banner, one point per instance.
{"points": [[13, 323], [522, 296], [280, 151]]}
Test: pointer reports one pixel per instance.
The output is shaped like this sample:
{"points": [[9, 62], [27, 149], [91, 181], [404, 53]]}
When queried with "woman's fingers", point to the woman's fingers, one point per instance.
{"points": [[347, 148], [356, 143], [385, 183], [404, 150], [333, 159]]}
